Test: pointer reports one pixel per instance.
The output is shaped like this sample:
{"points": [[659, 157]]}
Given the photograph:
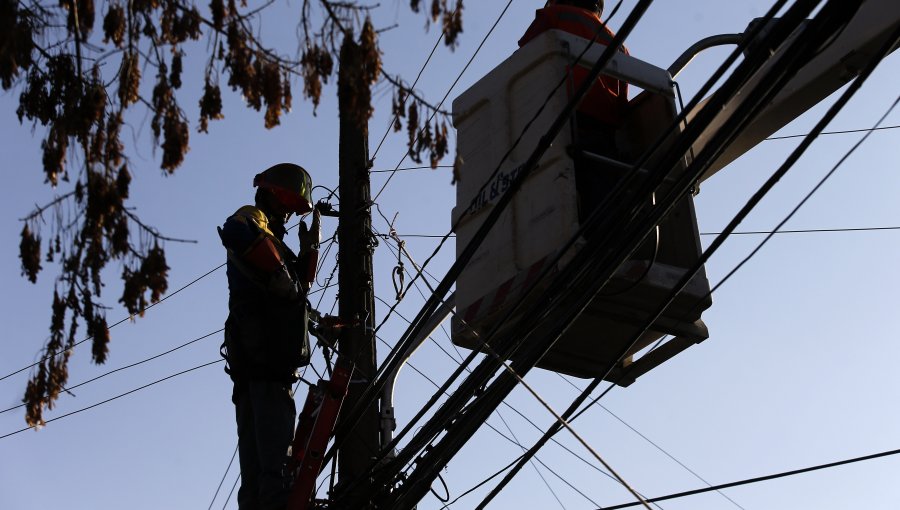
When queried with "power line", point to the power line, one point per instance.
{"points": [[451, 274], [772, 138], [805, 231], [130, 317], [761, 478], [401, 249], [511, 440], [753, 103], [736, 233], [809, 195], [830, 114], [844, 132], [409, 168], [413, 86], [69, 388], [466, 427], [224, 475], [233, 486], [538, 471], [647, 439], [116, 397], [523, 416]]}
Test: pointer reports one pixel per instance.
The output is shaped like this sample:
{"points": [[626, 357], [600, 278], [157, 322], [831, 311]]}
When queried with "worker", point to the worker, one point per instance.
{"points": [[266, 337], [602, 108], [604, 102]]}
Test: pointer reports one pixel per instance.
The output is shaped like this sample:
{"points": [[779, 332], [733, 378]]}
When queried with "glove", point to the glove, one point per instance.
{"points": [[310, 237]]}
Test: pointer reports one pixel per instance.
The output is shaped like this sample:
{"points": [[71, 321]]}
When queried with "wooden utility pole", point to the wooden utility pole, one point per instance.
{"points": [[356, 301]]}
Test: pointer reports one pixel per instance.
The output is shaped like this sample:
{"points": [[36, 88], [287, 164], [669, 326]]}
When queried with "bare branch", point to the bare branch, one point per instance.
{"points": [[398, 82]]}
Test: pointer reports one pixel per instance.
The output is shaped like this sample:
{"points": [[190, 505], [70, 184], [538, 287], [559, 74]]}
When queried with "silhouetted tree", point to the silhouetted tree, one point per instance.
{"points": [[77, 84]]}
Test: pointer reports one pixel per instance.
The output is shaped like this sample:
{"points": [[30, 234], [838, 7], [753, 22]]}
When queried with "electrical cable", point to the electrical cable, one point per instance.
{"points": [[451, 276], [843, 132], [758, 479], [446, 490], [538, 471], [130, 317], [114, 398], [224, 475], [478, 486], [409, 168], [647, 439], [806, 231], [412, 87], [742, 113], [101, 376], [512, 408], [415, 265], [504, 199], [468, 424], [429, 307], [514, 441], [809, 195], [233, 486], [840, 103]]}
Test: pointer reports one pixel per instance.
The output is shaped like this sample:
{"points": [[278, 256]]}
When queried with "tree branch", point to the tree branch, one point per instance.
{"points": [[398, 82], [39, 210], [155, 233]]}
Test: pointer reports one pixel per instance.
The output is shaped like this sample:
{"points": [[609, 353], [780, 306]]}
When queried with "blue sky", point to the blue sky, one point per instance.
{"points": [[798, 369]]}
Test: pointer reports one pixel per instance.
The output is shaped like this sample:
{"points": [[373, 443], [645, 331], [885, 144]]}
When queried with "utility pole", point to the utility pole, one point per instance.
{"points": [[356, 301]]}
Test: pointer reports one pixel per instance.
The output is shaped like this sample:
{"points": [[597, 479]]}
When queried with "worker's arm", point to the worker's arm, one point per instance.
{"points": [[247, 236]]}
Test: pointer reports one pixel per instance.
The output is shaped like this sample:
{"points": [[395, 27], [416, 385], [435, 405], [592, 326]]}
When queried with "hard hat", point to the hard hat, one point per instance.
{"points": [[290, 184]]}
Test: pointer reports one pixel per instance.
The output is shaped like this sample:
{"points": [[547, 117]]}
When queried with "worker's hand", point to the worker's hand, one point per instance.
{"points": [[311, 236]]}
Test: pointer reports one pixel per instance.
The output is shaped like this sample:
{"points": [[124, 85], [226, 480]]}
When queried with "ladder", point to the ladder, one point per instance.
{"points": [[314, 428]]}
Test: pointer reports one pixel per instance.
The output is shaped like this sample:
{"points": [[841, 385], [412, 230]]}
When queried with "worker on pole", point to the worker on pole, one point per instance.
{"points": [[266, 333]]}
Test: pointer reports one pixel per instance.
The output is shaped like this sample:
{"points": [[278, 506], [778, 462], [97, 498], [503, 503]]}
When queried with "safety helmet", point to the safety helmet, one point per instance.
{"points": [[290, 184], [591, 5]]}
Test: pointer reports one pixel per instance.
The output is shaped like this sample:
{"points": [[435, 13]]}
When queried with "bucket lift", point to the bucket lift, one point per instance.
{"points": [[548, 209], [546, 212]]}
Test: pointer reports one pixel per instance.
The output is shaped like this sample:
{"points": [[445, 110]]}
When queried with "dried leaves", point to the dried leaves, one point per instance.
{"points": [[150, 276], [114, 25], [431, 139], [451, 19], [30, 253], [16, 42], [79, 90], [317, 68], [210, 104], [259, 76], [359, 70]]}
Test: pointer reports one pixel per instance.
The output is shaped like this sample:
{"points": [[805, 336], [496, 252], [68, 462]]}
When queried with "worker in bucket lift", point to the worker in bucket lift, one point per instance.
{"points": [[266, 333], [603, 106]]}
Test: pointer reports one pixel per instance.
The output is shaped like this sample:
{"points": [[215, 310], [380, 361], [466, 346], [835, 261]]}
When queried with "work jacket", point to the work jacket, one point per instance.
{"points": [[607, 98], [266, 333]]}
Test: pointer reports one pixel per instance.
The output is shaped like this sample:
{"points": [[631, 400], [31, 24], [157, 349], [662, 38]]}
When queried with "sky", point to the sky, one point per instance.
{"points": [[799, 368]]}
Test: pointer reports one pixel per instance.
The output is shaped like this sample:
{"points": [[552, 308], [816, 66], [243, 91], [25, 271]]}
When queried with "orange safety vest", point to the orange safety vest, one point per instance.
{"points": [[606, 100]]}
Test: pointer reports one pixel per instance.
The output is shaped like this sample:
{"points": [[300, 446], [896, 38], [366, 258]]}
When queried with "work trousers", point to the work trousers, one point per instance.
{"points": [[265, 423]]}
